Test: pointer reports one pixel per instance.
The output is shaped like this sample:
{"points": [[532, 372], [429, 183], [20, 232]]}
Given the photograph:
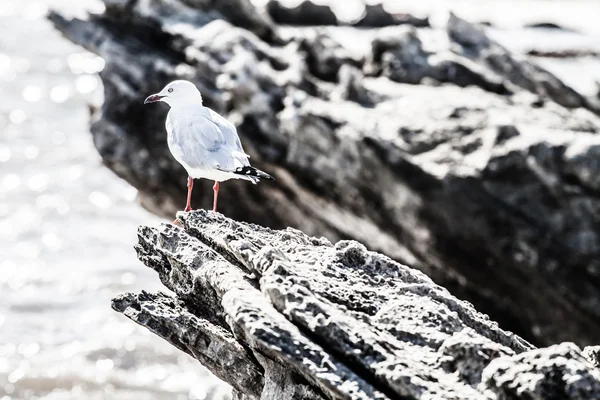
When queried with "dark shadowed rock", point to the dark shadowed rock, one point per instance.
{"points": [[438, 148], [547, 25], [399, 54], [307, 13], [375, 15], [282, 315], [569, 53]]}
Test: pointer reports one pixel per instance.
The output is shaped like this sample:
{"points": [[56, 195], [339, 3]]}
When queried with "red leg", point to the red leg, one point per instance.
{"points": [[190, 185], [216, 196], [188, 205]]}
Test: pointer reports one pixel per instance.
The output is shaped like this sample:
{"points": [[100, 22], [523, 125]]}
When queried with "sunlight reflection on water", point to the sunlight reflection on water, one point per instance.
{"points": [[62, 259]]}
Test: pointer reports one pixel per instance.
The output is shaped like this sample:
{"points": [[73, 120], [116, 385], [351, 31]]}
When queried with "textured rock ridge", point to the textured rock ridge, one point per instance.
{"points": [[279, 314], [438, 148]]}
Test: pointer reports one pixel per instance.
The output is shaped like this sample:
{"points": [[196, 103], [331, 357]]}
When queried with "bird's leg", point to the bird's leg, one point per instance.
{"points": [[188, 205], [216, 195], [190, 186]]}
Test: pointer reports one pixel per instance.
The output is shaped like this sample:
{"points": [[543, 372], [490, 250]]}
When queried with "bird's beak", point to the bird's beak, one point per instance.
{"points": [[153, 98]]}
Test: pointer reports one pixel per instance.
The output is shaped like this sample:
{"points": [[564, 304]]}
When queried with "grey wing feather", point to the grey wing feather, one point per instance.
{"points": [[207, 142], [228, 130]]}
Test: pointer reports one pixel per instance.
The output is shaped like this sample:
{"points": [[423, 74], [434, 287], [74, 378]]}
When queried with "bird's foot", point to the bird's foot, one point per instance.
{"points": [[188, 208]]}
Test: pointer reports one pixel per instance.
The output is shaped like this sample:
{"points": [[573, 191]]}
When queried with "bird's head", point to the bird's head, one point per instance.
{"points": [[177, 93]]}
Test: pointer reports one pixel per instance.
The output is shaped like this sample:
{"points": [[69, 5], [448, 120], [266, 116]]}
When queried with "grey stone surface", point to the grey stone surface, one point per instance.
{"points": [[282, 315], [592, 353], [438, 148], [214, 346], [556, 372]]}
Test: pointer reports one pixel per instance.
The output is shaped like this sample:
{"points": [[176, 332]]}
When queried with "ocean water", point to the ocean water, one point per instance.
{"points": [[67, 224], [67, 228]]}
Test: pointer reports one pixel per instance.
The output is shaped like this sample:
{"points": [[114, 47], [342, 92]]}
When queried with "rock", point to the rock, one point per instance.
{"points": [[282, 315], [557, 372], [437, 148], [547, 25], [477, 46], [569, 53], [399, 54], [375, 15], [212, 345], [307, 13], [325, 56], [592, 353]]}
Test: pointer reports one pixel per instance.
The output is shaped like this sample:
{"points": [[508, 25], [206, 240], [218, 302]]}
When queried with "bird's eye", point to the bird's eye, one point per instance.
{"points": [[170, 90]]}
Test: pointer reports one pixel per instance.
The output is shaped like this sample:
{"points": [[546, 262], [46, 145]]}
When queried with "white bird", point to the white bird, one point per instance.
{"points": [[205, 143]]}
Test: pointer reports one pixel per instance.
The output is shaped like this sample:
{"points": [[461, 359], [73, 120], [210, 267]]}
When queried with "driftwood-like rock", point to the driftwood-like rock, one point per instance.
{"points": [[440, 149], [281, 315]]}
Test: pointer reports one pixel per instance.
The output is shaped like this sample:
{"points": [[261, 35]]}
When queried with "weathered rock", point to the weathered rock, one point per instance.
{"points": [[557, 372], [476, 45], [592, 353], [211, 344], [473, 172], [281, 315]]}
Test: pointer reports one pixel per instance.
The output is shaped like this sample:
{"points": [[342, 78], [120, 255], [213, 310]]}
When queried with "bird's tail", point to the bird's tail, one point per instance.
{"points": [[252, 174]]}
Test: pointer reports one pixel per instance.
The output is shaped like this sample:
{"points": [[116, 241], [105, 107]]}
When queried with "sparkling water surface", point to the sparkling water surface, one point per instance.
{"points": [[68, 225], [67, 230]]}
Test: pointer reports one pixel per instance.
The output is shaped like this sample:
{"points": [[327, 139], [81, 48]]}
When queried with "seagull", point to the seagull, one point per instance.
{"points": [[205, 143]]}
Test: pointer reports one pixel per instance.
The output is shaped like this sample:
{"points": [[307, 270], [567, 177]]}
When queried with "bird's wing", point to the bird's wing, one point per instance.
{"points": [[200, 143], [229, 132]]}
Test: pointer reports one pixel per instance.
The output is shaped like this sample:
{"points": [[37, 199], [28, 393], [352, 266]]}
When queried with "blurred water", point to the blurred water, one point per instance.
{"points": [[67, 224], [67, 227]]}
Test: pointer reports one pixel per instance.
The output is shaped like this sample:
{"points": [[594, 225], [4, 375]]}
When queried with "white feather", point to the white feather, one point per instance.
{"points": [[206, 144]]}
